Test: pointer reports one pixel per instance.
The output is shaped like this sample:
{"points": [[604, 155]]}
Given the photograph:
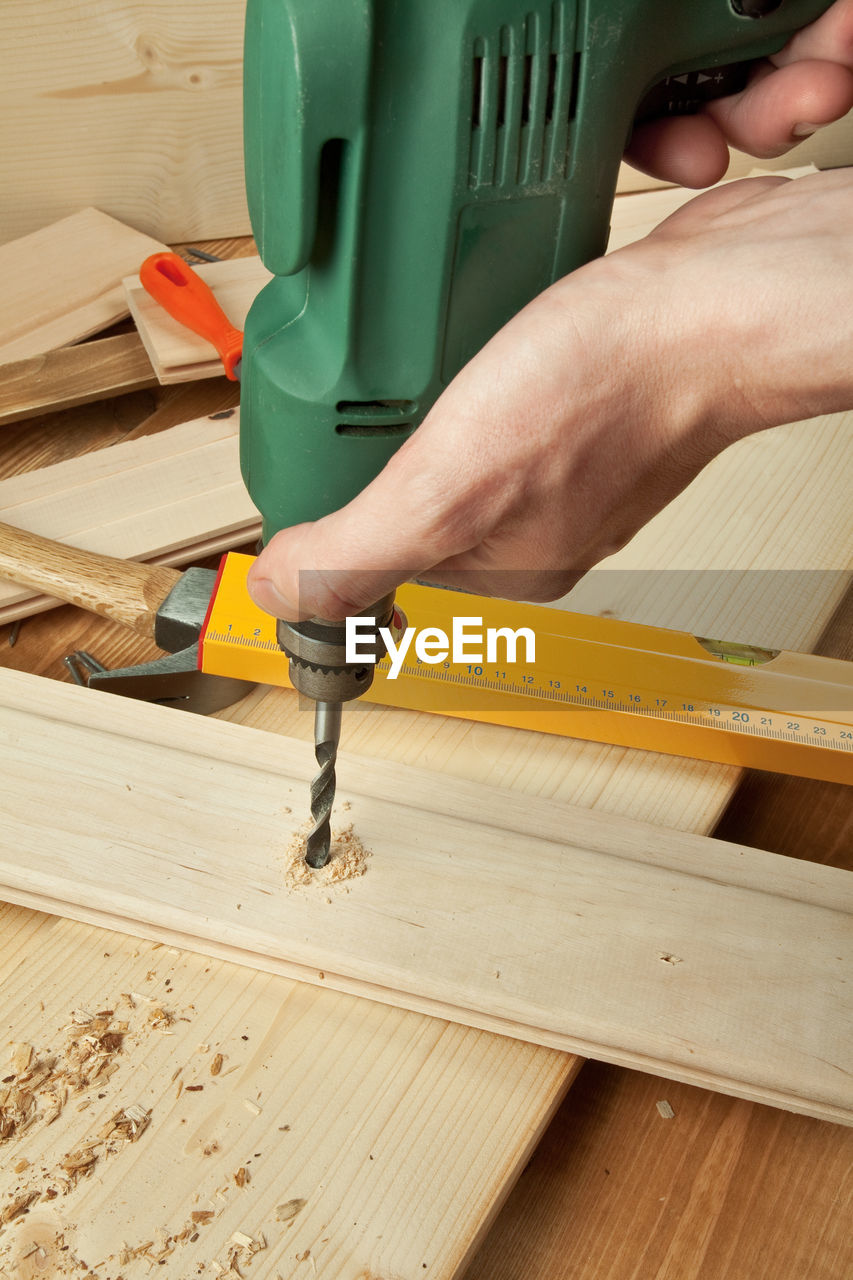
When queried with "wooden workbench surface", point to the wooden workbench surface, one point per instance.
{"points": [[615, 1189]]}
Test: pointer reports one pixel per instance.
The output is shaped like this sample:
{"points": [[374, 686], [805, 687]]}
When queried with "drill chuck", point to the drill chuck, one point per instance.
{"points": [[317, 653]]}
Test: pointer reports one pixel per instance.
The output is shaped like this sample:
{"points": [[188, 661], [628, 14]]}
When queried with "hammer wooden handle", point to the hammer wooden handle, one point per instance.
{"points": [[123, 590]]}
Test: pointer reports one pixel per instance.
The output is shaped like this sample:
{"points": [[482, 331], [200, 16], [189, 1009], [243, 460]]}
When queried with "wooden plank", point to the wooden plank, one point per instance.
{"points": [[393, 1084], [167, 498], [703, 962], [139, 113], [74, 375], [135, 109], [725, 1187], [63, 283], [176, 353]]}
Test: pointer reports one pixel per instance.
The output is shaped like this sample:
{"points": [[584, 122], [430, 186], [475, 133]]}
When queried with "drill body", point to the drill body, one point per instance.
{"points": [[417, 171]]}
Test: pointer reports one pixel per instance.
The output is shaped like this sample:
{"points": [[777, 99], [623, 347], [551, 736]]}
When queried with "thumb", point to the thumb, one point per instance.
{"points": [[344, 563]]}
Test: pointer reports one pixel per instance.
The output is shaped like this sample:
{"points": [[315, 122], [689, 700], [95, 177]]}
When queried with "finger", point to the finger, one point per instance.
{"points": [[347, 561], [280, 583], [829, 38], [780, 108], [690, 151]]}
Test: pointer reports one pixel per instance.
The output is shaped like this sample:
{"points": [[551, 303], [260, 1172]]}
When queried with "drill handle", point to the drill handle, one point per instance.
{"points": [[311, 87]]}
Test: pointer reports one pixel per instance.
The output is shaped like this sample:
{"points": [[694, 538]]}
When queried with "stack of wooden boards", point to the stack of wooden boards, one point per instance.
{"points": [[73, 279], [168, 498]]}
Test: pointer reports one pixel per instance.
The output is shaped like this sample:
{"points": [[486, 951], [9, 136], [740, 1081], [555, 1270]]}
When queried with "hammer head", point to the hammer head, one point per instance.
{"points": [[175, 680]]}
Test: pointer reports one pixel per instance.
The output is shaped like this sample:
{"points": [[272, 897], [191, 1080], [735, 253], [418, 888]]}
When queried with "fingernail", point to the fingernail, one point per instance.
{"points": [[267, 596], [804, 130]]}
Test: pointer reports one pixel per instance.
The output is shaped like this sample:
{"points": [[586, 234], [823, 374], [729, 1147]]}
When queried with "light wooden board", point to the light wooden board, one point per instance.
{"points": [[377, 1147], [169, 498], [704, 962], [64, 282], [178, 354], [133, 108], [137, 109], [72, 376]]}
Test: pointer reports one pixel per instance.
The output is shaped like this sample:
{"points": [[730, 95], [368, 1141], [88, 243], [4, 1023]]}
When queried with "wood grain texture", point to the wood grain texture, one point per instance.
{"points": [[703, 962], [176, 353], [138, 110], [64, 282], [724, 1189], [378, 1151], [133, 108], [169, 497], [73, 376], [462, 1121]]}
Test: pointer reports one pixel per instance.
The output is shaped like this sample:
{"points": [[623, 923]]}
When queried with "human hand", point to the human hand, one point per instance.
{"points": [[597, 404], [805, 86]]}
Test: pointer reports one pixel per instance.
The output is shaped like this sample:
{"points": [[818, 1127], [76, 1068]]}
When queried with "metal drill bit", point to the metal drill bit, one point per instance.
{"points": [[327, 733]]}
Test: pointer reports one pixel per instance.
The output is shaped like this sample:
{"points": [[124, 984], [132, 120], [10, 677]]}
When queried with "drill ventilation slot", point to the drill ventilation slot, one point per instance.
{"points": [[374, 418], [524, 92]]}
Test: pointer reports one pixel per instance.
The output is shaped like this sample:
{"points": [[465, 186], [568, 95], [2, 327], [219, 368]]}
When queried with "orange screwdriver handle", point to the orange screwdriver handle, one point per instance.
{"points": [[174, 284]]}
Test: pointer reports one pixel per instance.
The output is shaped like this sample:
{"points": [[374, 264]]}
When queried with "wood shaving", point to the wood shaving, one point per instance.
{"points": [[241, 1177], [20, 1204], [21, 1057], [288, 1211], [40, 1086], [242, 1248], [347, 859], [216, 1064], [159, 1018], [168, 1241]]}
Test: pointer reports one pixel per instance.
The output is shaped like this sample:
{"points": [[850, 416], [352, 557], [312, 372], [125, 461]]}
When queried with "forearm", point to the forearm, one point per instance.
{"points": [[596, 405]]}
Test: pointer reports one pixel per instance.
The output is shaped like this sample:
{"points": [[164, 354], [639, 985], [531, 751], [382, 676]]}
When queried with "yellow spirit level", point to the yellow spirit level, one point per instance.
{"points": [[598, 679]]}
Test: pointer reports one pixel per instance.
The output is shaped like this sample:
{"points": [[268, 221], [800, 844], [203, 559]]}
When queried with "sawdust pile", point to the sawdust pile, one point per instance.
{"points": [[38, 1087], [348, 860]]}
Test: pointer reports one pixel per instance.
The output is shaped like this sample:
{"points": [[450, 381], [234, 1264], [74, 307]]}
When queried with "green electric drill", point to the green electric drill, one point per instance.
{"points": [[417, 171]]}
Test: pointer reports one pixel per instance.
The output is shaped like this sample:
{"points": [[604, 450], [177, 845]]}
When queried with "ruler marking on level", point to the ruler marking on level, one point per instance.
{"points": [[651, 670]]}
